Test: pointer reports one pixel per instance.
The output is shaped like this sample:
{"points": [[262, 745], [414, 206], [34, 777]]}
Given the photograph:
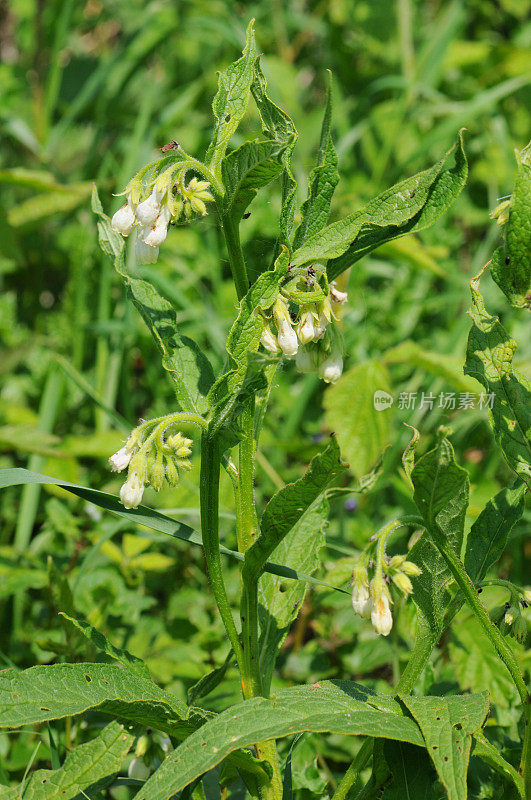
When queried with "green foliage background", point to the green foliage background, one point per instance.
{"points": [[90, 90]]}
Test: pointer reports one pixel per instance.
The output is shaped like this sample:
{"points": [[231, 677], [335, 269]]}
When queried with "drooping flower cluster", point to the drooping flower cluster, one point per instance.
{"points": [[302, 323], [151, 458], [509, 618], [164, 198], [372, 599]]}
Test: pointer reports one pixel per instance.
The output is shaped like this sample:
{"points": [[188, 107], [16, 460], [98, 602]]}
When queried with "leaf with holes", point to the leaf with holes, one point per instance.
{"points": [[87, 769], [340, 707], [447, 725], [489, 359], [511, 263], [441, 491]]}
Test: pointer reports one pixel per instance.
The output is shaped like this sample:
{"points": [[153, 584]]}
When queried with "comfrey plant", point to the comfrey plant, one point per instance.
{"points": [[292, 310]]}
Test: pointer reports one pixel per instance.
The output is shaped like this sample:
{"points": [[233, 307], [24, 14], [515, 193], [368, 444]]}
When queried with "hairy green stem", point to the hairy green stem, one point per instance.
{"points": [[209, 488], [464, 582], [236, 259]]}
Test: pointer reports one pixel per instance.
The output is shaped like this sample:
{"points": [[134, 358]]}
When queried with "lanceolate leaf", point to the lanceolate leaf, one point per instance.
{"points": [[247, 169], [511, 264], [447, 724], [287, 507], [409, 206], [230, 103], [87, 769], [340, 707], [130, 662], [441, 494], [141, 516], [322, 183], [186, 363], [488, 535], [278, 126], [489, 358], [63, 690], [411, 771]]}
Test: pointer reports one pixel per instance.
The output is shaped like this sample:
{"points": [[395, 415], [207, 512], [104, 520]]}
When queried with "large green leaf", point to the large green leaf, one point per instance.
{"points": [[186, 363], [441, 490], [130, 662], [63, 690], [511, 264], [340, 707], [447, 724], [488, 535], [409, 206], [140, 516], [489, 358], [442, 365], [289, 504], [278, 126], [322, 182], [87, 769], [411, 771], [230, 103], [245, 170], [362, 429]]}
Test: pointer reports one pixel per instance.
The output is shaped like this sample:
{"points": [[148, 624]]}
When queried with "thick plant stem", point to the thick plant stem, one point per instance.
{"points": [[209, 488], [236, 259], [471, 596], [352, 773]]}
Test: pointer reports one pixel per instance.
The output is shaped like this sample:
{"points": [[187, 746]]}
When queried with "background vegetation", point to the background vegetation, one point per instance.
{"points": [[89, 92]]}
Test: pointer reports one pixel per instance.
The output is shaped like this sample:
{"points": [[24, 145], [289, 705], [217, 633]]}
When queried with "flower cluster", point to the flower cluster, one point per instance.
{"points": [[164, 198], [150, 752], [509, 619], [302, 323], [372, 600], [151, 458]]}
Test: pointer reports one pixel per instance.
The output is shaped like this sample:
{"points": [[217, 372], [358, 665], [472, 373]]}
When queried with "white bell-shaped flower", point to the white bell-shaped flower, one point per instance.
{"points": [[148, 211], [144, 253], [121, 459], [132, 491], [124, 219], [304, 360], [361, 600], [381, 616], [268, 340], [287, 338], [306, 330], [158, 232], [331, 368]]}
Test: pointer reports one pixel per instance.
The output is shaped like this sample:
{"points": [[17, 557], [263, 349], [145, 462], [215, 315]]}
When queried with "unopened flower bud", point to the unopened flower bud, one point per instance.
{"points": [[396, 561], [142, 745], [411, 569], [156, 475], [120, 460], [172, 474], [519, 631], [331, 368], [268, 340], [501, 212], [497, 614], [138, 770], [287, 338], [403, 583], [132, 491]]}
